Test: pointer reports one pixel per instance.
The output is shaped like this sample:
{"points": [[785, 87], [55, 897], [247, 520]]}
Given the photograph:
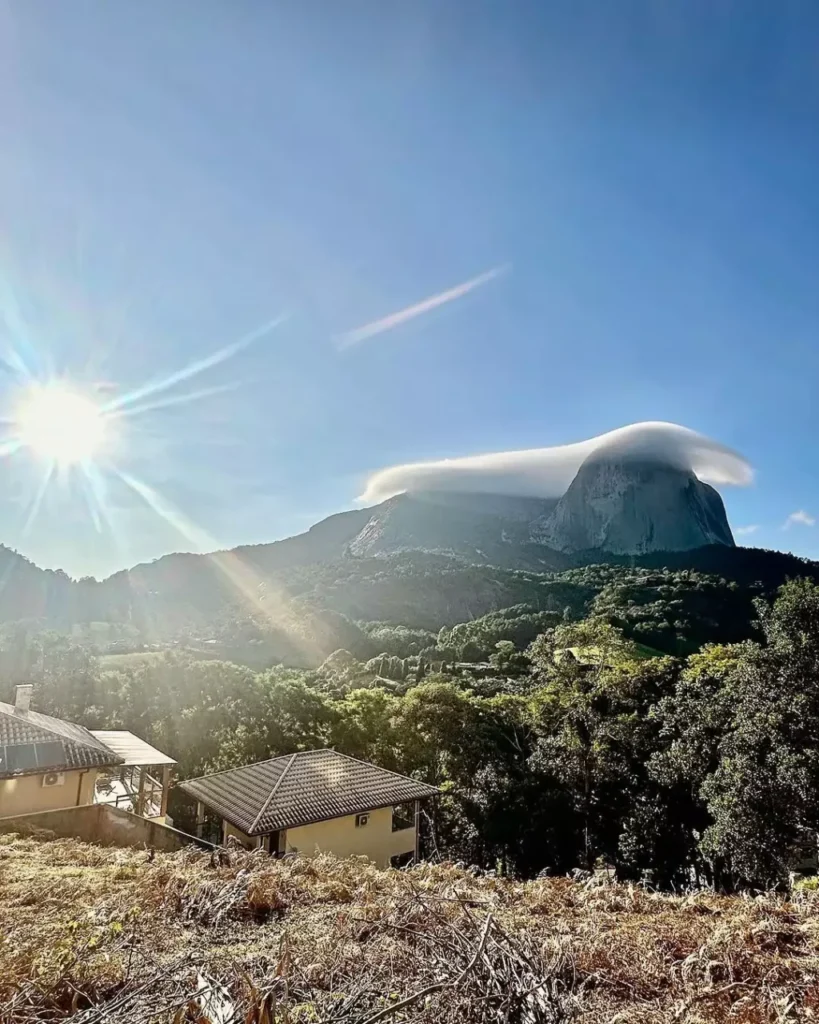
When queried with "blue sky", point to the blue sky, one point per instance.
{"points": [[173, 176]]}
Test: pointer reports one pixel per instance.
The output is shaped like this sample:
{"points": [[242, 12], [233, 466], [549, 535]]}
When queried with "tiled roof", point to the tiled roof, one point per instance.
{"points": [[312, 785], [31, 742]]}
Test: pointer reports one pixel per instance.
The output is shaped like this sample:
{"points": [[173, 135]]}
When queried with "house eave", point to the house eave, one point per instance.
{"points": [[335, 817], [58, 768]]}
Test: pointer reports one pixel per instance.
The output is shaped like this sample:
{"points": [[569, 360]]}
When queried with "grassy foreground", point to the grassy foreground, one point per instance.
{"points": [[100, 936]]}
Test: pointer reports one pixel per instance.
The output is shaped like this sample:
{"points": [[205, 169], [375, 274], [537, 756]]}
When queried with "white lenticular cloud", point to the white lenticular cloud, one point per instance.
{"points": [[547, 472]]}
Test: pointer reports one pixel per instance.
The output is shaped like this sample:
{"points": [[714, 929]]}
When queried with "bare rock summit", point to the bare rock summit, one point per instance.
{"points": [[630, 503]]}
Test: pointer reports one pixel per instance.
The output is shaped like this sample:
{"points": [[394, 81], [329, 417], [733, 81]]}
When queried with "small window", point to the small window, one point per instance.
{"points": [[361, 820]]}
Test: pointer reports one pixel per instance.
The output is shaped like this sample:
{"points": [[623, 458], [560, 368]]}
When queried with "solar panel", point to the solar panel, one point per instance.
{"points": [[20, 757], [50, 755], [24, 757]]}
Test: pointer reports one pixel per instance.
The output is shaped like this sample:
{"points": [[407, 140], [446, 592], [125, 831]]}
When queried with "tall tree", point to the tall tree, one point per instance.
{"points": [[764, 794]]}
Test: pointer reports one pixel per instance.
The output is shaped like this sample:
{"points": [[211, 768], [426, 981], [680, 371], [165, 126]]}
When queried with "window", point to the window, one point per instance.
{"points": [[361, 820]]}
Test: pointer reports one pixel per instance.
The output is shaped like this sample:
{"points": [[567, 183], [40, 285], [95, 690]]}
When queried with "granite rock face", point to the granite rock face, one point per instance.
{"points": [[482, 528], [633, 505], [623, 502]]}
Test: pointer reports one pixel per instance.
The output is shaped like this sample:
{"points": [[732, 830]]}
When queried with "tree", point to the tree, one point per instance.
{"points": [[693, 722], [364, 726], [509, 661], [593, 717], [763, 795]]}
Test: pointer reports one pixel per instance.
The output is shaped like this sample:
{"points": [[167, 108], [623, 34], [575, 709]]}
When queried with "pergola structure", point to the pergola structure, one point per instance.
{"points": [[134, 784]]}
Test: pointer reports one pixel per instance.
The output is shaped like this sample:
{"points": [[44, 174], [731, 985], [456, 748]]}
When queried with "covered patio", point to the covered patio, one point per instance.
{"points": [[142, 782]]}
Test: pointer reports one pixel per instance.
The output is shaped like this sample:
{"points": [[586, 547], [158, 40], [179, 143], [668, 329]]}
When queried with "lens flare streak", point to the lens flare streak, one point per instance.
{"points": [[164, 403], [257, 593], [37, 500], [194, 368]]}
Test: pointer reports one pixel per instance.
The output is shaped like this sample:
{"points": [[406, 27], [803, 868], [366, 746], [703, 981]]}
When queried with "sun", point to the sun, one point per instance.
{"points": [[60, 425]]}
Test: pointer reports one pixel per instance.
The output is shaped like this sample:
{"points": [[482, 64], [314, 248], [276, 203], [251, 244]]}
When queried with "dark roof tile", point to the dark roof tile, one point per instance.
{"points": [[297, 789], [56, 744]]}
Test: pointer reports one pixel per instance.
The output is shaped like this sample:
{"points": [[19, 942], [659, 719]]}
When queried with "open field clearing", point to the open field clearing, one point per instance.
{"points": [[108, 935]]}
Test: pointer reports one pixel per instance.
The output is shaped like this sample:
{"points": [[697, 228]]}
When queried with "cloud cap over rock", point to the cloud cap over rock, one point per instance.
{"points": [[547, 472]]}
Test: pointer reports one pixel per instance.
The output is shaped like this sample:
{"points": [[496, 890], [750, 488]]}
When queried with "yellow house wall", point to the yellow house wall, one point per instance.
{"points": [[339, 836], [26, 793], [229, 830]]}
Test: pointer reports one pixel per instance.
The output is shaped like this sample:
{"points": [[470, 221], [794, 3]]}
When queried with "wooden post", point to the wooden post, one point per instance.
{"points": [[417, 830], [200, 818], [167, 771], [140, 800]]}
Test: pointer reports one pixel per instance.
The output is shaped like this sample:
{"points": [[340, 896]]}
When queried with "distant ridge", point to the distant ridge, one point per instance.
{"points": [[426, 559]]}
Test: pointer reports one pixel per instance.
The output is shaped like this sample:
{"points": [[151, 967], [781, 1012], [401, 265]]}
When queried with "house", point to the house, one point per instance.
{"points": [[47, 764], [136, 787], [314, 801]]}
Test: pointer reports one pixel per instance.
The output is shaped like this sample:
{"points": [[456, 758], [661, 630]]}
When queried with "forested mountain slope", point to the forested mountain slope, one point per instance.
{"points": [[669, 600], [420, 561]]}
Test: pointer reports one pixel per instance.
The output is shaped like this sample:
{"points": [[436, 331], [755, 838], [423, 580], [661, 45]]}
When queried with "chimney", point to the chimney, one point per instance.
{"points": [[22, 698]]}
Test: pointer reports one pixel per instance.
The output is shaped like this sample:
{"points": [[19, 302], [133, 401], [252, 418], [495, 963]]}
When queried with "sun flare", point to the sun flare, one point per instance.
{"points": [[60, 425], [73, 440]]}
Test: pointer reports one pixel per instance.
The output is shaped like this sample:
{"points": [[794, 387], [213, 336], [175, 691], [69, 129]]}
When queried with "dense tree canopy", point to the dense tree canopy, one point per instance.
{"points": [[637, 726]]}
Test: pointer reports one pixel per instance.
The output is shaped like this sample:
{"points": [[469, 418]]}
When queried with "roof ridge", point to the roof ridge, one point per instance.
{"points": [[34, 720], [266, 804], [302, 753], [24, 719]]}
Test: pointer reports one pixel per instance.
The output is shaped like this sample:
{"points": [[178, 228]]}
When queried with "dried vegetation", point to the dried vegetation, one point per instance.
{"points": [[104, 936]]}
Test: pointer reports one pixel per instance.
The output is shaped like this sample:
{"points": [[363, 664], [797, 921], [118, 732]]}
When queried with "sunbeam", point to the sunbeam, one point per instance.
{"points": [[13, 318], [36, 502], [257, 593], [198, 537], [194, 368], [94, 497], [164, 403]]}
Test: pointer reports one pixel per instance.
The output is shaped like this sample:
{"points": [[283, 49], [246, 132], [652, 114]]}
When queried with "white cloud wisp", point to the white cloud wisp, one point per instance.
{"points": [[387, 323], [547, 472], [799, 518]]}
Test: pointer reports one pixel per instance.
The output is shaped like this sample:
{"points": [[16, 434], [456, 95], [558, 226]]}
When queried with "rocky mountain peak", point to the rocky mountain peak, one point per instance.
{"points": [[628, 502], [476, 527]]}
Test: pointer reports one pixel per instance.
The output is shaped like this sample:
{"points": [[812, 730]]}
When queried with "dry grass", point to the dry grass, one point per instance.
{"points": [[99, 935]]}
